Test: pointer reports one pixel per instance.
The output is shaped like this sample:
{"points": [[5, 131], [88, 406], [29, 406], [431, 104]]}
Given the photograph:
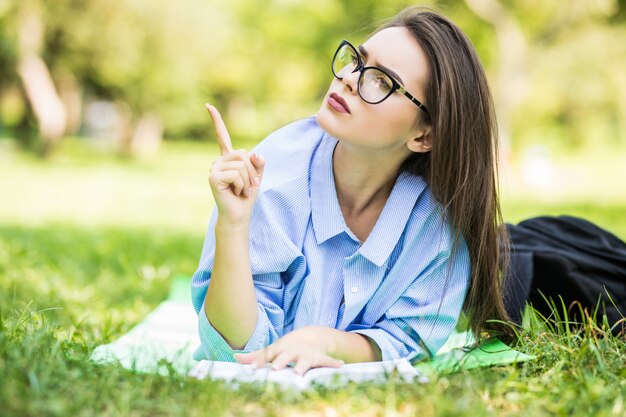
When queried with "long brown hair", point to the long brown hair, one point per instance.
{"points": [[461, 168]]}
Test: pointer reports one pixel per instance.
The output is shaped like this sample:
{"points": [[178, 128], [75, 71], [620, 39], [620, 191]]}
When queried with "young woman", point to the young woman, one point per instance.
{"points": [[359, 234]]}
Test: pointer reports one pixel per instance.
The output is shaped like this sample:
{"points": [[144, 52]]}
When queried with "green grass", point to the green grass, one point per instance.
{"points": [[89, 245]]}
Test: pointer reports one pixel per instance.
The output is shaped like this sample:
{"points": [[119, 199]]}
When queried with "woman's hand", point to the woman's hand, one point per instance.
{"points": [[235, 177], [306, 347]]}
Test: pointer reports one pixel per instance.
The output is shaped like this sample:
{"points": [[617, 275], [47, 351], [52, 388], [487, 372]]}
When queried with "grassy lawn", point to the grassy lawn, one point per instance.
{"points": [[89, 244]]}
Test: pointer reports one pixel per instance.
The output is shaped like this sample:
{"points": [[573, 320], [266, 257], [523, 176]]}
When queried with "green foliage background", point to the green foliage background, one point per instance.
{"points": [[264, 63]]}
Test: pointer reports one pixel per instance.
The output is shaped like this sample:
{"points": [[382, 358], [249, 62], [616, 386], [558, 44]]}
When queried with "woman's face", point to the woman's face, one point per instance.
{"points": [[396, 120]]}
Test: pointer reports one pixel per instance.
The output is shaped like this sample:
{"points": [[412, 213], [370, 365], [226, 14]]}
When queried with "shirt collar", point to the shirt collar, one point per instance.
{"points": [[325, 211], [393, 219], [328, 220]]}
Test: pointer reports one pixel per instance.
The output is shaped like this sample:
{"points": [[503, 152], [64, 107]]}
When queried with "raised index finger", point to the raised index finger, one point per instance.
{"points": [[223, 138]]}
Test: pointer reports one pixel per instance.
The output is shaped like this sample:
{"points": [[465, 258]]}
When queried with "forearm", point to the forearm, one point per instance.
{"points": [[230, 303]]}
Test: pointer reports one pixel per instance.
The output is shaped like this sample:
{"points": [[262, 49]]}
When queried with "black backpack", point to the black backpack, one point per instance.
{"points": [[569, 258]]}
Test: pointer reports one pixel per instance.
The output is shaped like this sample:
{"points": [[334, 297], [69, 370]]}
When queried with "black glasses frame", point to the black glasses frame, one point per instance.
{"points": [[396, 86]]}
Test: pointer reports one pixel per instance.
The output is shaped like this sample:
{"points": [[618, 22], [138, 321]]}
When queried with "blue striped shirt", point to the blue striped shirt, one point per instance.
{"points": [[403, 287]]}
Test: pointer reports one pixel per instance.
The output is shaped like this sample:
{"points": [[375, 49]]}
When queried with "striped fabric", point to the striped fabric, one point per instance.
{"points": [[402, 287]]}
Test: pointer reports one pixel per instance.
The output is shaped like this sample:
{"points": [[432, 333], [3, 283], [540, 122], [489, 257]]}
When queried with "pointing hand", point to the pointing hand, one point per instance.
{"points": [[235, 176]]}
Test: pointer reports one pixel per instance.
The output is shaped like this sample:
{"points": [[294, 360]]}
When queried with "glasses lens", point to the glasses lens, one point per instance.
{"points": [[345, 61], [375, 85]]}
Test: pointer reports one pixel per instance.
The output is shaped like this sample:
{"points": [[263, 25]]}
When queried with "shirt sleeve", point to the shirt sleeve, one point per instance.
{"points": [[273, 259], [420, 321], [270, 318]]}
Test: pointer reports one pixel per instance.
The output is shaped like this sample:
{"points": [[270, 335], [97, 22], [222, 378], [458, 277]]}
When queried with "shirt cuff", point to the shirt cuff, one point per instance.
{"points": [[214, 347], [388, 349]]}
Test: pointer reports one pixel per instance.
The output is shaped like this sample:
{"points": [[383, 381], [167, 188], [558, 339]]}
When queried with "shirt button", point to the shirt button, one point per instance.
{"points": [[354, 289]]}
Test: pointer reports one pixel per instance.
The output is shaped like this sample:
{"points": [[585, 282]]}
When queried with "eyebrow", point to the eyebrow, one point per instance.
{"points": [[394, 74]]}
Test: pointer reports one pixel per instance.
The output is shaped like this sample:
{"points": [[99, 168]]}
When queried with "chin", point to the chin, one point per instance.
{"points": [[319, 117], [327, 122]]}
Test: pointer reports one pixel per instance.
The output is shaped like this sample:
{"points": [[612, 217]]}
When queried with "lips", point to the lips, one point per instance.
{"points": [[338, 103]]}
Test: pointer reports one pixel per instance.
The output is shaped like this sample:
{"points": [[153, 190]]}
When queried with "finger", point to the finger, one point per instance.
{"points": [[270, 353], [282, 359], [252, 171], [242, 155], [256, 358], [223, 138], [305, 364], [239, 166], [259, 164], [235, 155], [246, 358], [238, 185], [330, 362], [231, 179], [302, 366]]}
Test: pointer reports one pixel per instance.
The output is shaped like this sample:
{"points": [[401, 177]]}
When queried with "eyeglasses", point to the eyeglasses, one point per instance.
{"points": [[374, 85]]}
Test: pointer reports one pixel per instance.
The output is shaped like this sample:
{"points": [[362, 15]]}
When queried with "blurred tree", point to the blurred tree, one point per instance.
{"points": [[559, 73], [12, 106], [511, 72], [147, 57], [554, 70], [36, 79]]}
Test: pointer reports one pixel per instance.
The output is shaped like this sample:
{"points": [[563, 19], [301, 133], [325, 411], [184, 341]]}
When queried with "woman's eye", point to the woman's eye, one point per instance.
{"points": [[382, 82]]}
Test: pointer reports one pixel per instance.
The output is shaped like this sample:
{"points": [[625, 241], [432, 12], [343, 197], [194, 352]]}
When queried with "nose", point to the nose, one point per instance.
{"points": [[351, 81]]}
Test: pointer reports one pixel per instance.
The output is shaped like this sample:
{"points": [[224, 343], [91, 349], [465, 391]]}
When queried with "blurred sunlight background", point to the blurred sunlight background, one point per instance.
{"points": [[102, 119]]}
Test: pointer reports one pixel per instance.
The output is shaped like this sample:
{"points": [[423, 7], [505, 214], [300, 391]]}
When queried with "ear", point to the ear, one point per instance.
{"points": [[422, 143]]}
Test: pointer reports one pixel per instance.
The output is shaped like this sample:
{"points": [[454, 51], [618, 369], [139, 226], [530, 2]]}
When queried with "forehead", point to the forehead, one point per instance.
{"points": [[396, 49]]}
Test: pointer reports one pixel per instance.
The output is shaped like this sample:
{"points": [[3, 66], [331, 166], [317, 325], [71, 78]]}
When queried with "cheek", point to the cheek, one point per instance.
{"points": [[377, 123], [372, 126], [389, 122]]}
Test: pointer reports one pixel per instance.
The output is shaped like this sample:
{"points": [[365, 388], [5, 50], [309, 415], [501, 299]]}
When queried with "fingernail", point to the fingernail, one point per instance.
{"points": [[257, 181]]}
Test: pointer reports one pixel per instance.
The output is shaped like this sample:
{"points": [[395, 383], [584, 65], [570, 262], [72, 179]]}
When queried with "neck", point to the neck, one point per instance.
{"points": [[363, 177]]}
